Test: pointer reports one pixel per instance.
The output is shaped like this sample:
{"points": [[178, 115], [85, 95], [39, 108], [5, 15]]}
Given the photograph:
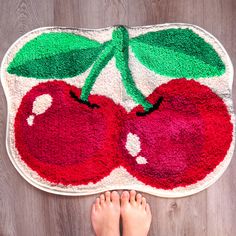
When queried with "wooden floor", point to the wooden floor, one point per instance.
{"points": [[26, 211]]}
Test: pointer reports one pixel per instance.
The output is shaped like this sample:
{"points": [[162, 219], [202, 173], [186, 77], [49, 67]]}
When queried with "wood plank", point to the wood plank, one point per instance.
{"points": [[22, 210], [221, 204]]}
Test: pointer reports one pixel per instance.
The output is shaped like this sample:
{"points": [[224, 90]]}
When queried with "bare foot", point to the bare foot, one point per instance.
{"points": [[105, 214], [135, 213]]}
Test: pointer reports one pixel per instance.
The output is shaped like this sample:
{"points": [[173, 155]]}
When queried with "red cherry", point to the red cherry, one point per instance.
{"points": [[64, 140], [180, 142]]}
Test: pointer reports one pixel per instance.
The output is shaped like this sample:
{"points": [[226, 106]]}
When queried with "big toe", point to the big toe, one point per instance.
{"points": [[115, 197], [124, 198]]}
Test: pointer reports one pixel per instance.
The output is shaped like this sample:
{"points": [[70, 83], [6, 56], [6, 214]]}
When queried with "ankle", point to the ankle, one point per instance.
{"points": [[109, 232], [132, 233]]}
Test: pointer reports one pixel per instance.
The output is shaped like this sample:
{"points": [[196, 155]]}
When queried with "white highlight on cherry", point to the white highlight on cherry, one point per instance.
{"points": [[141, 160], [133, 145], [40, 105], [30, 120]]}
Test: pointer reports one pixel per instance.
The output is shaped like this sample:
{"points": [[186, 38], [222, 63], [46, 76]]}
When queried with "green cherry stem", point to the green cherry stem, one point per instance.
{"points": [[118, 47], [120, 40], [98, 65]]}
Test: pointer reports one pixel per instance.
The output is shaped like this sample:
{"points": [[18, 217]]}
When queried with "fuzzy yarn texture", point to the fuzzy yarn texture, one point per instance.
{"points": [[146, 108]]}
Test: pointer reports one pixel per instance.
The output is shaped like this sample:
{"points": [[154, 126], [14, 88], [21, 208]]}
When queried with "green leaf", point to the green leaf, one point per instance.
{"points": [[177, 53], [55, 55]]}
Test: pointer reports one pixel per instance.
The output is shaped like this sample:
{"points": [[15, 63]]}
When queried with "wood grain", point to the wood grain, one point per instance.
{"points": [[26, 211]]}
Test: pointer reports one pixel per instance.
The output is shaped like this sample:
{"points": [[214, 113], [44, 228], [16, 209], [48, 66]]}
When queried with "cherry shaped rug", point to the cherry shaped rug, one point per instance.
{"points": [[145, 108]]}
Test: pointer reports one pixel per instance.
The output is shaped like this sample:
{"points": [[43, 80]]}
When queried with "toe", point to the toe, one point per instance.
{"points": [[144, 202], [148, 210], [115, 197], [97, 203], [108, 196], [102, 199], [132, 196], [93, 208], [125, 198], [139, 198]]}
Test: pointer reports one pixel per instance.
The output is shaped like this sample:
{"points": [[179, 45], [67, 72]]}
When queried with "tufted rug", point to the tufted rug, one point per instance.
{"points": [[146, 108]]}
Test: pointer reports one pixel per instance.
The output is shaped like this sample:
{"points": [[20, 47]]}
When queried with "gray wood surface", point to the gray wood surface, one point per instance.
{"points": [[26, 211]]}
